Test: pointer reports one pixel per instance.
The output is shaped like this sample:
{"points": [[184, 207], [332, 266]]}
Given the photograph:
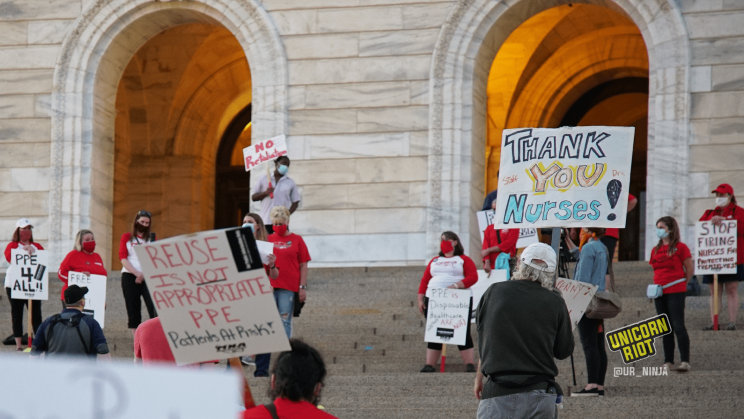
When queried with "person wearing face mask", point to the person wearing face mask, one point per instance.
{"points": [[672, 263], [451, 269], [23, 238], [82, 259], [726, 209], [132, 280], [282, 192], [496, 242]]}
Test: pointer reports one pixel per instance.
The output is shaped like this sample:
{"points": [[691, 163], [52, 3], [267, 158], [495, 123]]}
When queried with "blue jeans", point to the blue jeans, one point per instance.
{"points": [[536, 404], [285, 304]]}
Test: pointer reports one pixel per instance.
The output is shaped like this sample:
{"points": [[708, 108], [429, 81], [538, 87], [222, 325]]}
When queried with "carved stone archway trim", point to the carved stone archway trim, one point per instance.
{"points": [[464, 51], [92, 59]]}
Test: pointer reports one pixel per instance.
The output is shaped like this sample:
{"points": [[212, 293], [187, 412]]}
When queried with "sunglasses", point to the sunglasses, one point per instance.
{"points": [[144, 213]]}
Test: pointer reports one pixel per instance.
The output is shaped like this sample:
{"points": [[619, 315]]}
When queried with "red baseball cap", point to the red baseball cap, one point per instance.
{"points": [[724, 188]]}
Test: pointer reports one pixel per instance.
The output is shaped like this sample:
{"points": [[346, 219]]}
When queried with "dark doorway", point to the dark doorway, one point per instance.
{"points": [[232, 183]]}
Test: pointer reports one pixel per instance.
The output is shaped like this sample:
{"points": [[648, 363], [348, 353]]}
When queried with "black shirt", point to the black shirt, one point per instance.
{"points": [[522, 327]]}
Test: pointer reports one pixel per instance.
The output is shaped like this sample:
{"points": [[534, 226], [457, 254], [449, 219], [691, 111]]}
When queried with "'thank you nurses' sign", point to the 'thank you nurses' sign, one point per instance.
{"points": [[212, 295], [28, 275], [264, 151], [715, 247], [564, 177]]}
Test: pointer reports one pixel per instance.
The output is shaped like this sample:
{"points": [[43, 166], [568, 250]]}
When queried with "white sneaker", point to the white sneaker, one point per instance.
{"points": [[248, 360], [684, 367]]}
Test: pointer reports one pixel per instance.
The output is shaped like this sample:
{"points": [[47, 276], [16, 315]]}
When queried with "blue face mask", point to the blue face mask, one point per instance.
{"points": [[663, 234], [282, 169], [249, 225]]}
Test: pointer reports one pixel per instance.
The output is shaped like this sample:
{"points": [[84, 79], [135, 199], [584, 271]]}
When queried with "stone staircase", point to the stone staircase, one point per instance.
{"points": [[365, 323]]}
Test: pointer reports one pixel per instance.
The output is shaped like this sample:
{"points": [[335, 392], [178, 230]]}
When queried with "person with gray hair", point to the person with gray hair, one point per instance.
{"points": [[523, 326]]}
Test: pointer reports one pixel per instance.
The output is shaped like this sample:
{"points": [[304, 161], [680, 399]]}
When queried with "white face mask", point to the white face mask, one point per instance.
{"points": [[722, 201]]}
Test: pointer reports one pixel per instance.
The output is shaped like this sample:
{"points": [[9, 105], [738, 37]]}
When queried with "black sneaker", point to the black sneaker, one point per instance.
{"points": [[731, 326], [10, 340], [601, 393], [708, 327], [470, 368], [428, 368], [586, 393]]}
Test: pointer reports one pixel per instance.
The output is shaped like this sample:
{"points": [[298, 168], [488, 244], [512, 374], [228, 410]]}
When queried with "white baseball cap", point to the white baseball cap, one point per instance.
{"points": [[540, 251], [23, 222]]}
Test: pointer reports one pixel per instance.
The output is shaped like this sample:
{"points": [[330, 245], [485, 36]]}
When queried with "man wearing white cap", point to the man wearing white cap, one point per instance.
{"points": [[522, 324]]}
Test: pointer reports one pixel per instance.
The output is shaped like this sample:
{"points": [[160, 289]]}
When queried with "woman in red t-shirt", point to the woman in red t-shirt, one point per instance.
{"points": [[726, 209], [496, 242], [671, 260], [451, 269], [81, 259], [23, 238]]}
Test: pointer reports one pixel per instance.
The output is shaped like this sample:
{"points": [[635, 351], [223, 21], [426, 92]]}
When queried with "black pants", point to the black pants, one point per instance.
{"points": [[610, 243], [673, 305], [593, 342], [468, 338], [16, 314], [132, 293]]}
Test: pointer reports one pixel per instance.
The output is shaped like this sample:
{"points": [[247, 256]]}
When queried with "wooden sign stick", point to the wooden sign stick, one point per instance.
{"points": [[30, 322], [444, 357], [247, 395], [715, 301]]}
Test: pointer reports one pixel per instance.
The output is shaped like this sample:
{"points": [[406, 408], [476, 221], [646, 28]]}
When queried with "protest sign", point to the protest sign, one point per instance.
{"points": [[527, 236], [264, 250], [447, 316], [95, 299], [484, 281], [564, 177], [212, 295], [264, 151], [29, 276], [715, 251], [117, 389], [577, 295]]}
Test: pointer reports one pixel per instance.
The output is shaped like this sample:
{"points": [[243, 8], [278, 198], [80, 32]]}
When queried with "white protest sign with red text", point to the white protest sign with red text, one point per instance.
{"points": [[264, 151], [577, 296], [212, 295], [715, 251]]}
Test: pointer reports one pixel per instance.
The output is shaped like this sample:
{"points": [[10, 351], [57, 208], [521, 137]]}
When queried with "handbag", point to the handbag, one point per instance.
{"points": [[655, 291], [605, 304]]}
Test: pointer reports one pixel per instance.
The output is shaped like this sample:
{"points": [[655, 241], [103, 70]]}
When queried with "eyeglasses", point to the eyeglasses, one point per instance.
{"points": [[144, 213]]}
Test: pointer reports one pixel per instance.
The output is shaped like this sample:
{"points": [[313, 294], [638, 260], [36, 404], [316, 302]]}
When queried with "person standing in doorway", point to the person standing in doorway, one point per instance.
{"points": [[283, 188], [23, 238], [133, 283], [726, 209], [82, 259]]}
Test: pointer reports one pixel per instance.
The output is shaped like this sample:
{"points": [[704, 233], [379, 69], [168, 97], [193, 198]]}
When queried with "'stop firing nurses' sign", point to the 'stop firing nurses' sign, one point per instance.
{"points": [[212, 295], [715, 247], [564, 177], [264, 151], [28, 276]]}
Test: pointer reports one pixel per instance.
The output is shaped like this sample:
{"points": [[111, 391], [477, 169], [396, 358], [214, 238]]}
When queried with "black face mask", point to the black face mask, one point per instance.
{"points": [[140, 228]]}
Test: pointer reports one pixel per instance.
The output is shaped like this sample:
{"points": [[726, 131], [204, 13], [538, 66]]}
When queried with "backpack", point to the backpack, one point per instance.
{"points": [[66, 332]]}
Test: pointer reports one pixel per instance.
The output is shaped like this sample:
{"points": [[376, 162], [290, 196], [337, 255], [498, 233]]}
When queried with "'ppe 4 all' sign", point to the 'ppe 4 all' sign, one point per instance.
{"points": [[28, 276], [564, 177]]}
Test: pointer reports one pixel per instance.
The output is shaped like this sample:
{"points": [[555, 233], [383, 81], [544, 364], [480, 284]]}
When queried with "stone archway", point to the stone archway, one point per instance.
{"points": [[465, 49], [93, 58]]}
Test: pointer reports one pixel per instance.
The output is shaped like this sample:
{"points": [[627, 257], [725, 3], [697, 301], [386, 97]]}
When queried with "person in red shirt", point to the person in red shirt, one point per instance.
{"points": [[292, 257], [496, 242], [133, 284], [296, 384], [82, 259], [451, 269], [726, 209], [23, 238], [672, 261]]}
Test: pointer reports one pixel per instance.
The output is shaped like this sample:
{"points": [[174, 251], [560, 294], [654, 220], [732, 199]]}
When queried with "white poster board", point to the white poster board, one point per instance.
{"points": [[264, 250], [95, 299], [577, 295], [447, 316], [527, 236], [117, 389], [212, 295], [264, 151], [29, 276], [564, 177], [480, 287], [715, 250]]}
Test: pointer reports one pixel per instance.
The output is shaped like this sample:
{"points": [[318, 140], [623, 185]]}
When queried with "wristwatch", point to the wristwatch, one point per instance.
{"points": [[303, 287]]}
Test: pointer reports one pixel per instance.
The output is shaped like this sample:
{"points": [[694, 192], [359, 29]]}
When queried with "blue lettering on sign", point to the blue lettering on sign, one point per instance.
{"points": [[566, 207], [533, 216], [548, 206], [514, 208], [580, 206], [595, 207]]}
